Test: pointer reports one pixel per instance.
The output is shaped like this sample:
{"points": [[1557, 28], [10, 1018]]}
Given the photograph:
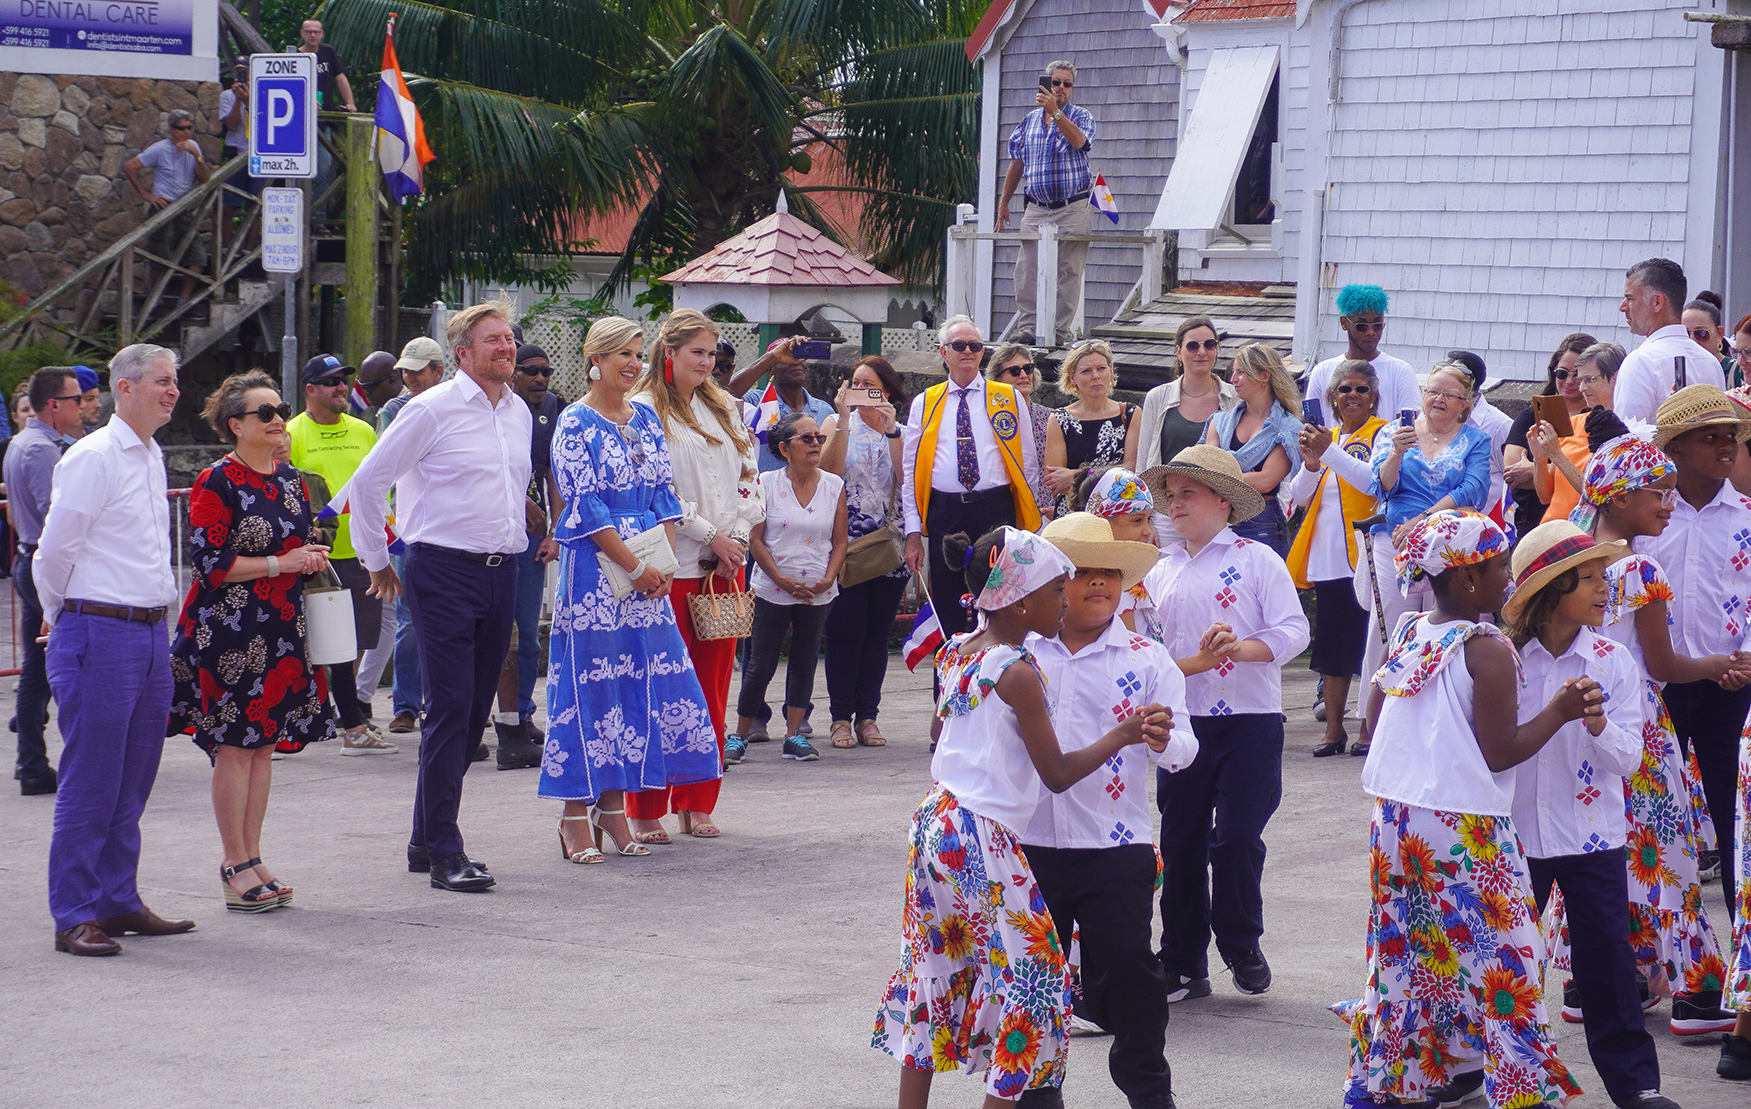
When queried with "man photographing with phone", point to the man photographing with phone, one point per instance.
{"points": [[790, 375], [1049, 152]]}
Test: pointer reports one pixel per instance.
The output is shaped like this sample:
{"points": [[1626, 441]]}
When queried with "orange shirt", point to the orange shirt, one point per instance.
{"points": [[1565, 497]]}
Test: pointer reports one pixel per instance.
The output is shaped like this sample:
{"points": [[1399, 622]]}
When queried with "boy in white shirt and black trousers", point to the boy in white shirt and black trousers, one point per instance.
{"points": [[1213, 813], [1090, 846]]}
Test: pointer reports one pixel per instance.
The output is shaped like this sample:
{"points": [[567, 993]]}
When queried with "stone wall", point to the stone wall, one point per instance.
{"points": [[63, 139]]}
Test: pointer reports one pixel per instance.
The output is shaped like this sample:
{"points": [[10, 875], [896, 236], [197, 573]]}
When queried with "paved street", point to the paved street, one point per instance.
{"points": [[740, 972]]}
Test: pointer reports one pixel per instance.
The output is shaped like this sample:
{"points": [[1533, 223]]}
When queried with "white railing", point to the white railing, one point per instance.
{"points": [[965, 296]]}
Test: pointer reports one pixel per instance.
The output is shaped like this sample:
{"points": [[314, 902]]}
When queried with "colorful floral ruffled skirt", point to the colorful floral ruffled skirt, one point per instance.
{"points": [[982, 984], [1669, 929], [1738, 992], [1453, 964]]}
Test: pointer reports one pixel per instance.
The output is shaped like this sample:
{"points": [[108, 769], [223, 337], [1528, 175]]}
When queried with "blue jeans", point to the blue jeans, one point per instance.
{"points": [[112, 680], [33, 679], [531, 584], [406, 690]]}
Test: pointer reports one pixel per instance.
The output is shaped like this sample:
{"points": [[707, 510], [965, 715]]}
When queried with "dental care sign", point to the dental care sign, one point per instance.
{"points": [[282, 121], [176, 39]]}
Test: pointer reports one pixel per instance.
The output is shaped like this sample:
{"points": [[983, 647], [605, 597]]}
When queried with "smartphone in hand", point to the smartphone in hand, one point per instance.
{"points": [[1407, 417], [816, 349], [866, 398], [1312, 412]]}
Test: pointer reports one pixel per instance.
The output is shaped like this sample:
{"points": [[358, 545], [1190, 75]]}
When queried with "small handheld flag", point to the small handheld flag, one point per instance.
{"points": [[767, 414], [925, 639], [342, 506], [401, 134], [1102, 198]]}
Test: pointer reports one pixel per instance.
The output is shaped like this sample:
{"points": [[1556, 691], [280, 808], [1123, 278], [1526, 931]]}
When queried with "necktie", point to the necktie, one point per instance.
{"points": [[966, 454]]}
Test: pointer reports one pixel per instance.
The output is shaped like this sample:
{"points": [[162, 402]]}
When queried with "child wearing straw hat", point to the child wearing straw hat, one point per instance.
{"points": [[982, 983], [1452, 935], [1213, 813], [1090, 847], [1572, 827]]}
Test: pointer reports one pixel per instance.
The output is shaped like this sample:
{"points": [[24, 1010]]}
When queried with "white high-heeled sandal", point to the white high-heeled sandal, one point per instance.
{"points": [[598, 831], [591, 854]]}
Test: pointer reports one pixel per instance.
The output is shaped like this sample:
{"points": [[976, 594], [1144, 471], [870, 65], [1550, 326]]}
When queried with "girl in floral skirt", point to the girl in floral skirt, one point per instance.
{"points": [[1630, 485], [982, 983], [1453, 942]]}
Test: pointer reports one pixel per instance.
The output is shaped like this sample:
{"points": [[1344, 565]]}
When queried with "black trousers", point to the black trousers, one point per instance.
{"points": [[770, 622], [1710, 718], [975, 514], [1596, 891], [462, 614], [33, 678], [1108, 894], [856, 642], [1213, 817]]}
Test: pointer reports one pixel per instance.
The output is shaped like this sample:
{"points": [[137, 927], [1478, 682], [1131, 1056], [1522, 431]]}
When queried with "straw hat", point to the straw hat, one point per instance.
{"points": [[1698, 406], [1087, 540], [1545, 552], [1213, 467]]}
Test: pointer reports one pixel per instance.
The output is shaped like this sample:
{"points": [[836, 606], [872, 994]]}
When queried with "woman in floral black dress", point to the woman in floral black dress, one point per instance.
{"points": [[1094, 431], [242, 680]]}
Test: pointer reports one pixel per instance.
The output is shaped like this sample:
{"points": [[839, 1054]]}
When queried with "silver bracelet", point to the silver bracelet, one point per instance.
{"points": [[273, 566], [638, 571]]}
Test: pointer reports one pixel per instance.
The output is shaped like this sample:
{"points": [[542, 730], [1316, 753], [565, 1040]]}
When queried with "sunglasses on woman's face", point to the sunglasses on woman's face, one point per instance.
{"points": [[1020, 373], [1560, 375], [1346, 390], [1701, 334], [1207, 344], [813, 440], [267, 413]]}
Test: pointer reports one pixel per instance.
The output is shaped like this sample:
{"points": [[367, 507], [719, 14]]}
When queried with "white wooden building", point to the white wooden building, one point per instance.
{"points": [[1495, 165]]}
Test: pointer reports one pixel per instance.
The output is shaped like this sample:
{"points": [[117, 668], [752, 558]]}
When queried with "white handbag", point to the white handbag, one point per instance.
{"points": [[329, 635]]}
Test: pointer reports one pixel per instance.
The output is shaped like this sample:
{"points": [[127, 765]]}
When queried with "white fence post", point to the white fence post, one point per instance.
{"points": [[959, 290], [1046, 285], [1154, 257]]}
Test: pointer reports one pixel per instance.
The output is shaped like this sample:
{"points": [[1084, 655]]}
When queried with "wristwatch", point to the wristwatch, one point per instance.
{"points": [[894, 434]]}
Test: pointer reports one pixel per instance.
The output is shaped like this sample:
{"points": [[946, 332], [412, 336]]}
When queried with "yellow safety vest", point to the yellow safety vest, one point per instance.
{"points": [[1002, 410]]}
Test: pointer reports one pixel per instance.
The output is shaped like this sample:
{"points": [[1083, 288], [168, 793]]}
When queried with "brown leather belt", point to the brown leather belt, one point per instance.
{"points": [[116, 612]]}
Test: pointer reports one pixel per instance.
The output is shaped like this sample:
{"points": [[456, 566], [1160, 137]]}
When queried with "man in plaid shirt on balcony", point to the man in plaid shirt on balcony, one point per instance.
{"points": [[1049, 151]]}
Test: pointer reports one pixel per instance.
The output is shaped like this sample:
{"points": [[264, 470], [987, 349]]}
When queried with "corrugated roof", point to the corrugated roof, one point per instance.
{"points": [[780, 250], [1211, 11]]}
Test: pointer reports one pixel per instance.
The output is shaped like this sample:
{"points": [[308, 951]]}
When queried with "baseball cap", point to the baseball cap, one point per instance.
{"points": [[324, 365], [87, 378], [418, 352]]}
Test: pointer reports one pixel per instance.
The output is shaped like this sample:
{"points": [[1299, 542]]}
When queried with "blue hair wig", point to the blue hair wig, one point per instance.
{"points": [[1361, 298]]}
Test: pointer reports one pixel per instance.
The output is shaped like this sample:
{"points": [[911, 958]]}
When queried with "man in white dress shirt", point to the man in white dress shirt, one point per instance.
{"points": [[102, 572], [469, 439], [1653, 303], [1362, 315], [979, 469]]}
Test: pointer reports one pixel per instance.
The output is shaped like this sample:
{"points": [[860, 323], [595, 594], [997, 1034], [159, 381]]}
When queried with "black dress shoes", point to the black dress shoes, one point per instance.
{"points": [[460, 874], [86, 939], [144, 922], [419, 862], [35, 787]]}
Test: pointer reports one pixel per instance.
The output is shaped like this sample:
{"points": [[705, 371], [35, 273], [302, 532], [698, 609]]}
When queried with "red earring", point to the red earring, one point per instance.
{"points": [[669, 370]]}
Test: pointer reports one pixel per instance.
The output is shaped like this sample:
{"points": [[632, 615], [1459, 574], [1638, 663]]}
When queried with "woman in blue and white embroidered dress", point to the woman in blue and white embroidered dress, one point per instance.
{"points": [[626, 708]]}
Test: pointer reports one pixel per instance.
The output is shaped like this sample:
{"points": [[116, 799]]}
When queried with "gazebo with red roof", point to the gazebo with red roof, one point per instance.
{"points": [[779, 270]]}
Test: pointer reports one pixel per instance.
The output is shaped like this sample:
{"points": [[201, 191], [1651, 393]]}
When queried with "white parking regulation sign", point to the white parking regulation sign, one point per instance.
{"points": [[282, 115], [282, 230]]}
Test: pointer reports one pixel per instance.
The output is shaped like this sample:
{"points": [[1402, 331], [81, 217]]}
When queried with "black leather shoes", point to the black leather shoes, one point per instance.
{"points": [[36, 787], [460, 874], [419, 862], [1335, 747], [518, 754]]}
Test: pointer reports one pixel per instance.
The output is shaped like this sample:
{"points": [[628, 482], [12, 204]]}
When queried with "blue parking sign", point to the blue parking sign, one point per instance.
{"points": [[282, 115]]}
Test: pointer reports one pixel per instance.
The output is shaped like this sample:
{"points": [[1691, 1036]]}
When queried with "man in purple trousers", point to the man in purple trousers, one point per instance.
{"points": [[102, 572]]}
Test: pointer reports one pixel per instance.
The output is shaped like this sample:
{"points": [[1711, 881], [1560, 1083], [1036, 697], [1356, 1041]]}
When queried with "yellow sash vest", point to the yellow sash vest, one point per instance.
{"points": [[1356, 503], [1002, 410]]}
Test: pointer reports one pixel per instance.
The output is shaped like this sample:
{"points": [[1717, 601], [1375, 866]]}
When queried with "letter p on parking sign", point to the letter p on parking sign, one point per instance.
{"points": [[282, 115]]}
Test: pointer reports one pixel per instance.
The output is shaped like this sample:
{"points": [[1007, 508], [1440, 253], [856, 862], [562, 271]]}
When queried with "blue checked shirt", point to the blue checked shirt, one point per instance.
{"points": [[1051, 169]]}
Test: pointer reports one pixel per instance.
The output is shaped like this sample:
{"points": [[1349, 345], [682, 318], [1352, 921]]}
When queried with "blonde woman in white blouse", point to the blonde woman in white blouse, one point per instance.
{"points": [[713, 454]]}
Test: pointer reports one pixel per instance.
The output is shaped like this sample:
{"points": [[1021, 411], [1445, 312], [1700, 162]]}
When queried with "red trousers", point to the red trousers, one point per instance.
{"points": [[715, 661]]}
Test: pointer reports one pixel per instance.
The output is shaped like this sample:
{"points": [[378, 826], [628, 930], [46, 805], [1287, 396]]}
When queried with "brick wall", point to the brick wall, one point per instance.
{"points": [[63, 140]]}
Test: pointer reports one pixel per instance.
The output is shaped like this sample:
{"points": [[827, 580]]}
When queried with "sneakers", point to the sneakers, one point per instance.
{"points": [[404, 723], [368, 741], [1735, 1061], [758, 734], [735, 750], [1459, 1089], [1708, 868], [1252, 974], [800, 749], [1181, 988], [1699, 1013]]}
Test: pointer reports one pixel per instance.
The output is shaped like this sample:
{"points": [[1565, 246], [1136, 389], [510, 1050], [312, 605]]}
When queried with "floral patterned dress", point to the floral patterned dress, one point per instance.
{"points": [[1453, 942], [1737, 994], [1092, 443], [238, 662], [1668, 925], [982, 985], [625, 706]]}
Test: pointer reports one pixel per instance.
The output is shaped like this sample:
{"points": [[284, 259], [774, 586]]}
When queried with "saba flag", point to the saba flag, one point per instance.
{"points": [[1102, 198], [341, 505], [401, 135], [926, 637]]}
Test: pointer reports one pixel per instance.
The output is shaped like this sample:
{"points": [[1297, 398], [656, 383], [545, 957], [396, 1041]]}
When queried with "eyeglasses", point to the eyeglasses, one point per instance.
{"points": [[960, 346], [1346, 390], [1057, 84], [1668, 497], [182, 127], [533, 370], [1457, 398], [813, 440], [1358, 325], [1017, 372], [1561, 375], [1701, 334], [74, 397], [329, 382], [1207, 344], [266, 413], [634, 443]]}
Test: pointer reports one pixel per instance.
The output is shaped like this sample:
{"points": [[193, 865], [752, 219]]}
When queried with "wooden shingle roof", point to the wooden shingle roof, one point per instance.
{"points": [[780, 250], [1211, 11]]}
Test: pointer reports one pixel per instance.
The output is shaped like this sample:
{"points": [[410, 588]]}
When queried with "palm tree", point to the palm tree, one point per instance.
{"points": [[691, 112]]}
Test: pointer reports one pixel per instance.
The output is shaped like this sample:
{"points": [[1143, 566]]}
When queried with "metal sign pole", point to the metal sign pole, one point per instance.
{"points": [[289, 343]]}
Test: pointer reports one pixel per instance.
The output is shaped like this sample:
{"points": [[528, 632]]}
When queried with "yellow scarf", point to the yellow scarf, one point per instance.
{"points": [[1003, 412], [1356, 503]]}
